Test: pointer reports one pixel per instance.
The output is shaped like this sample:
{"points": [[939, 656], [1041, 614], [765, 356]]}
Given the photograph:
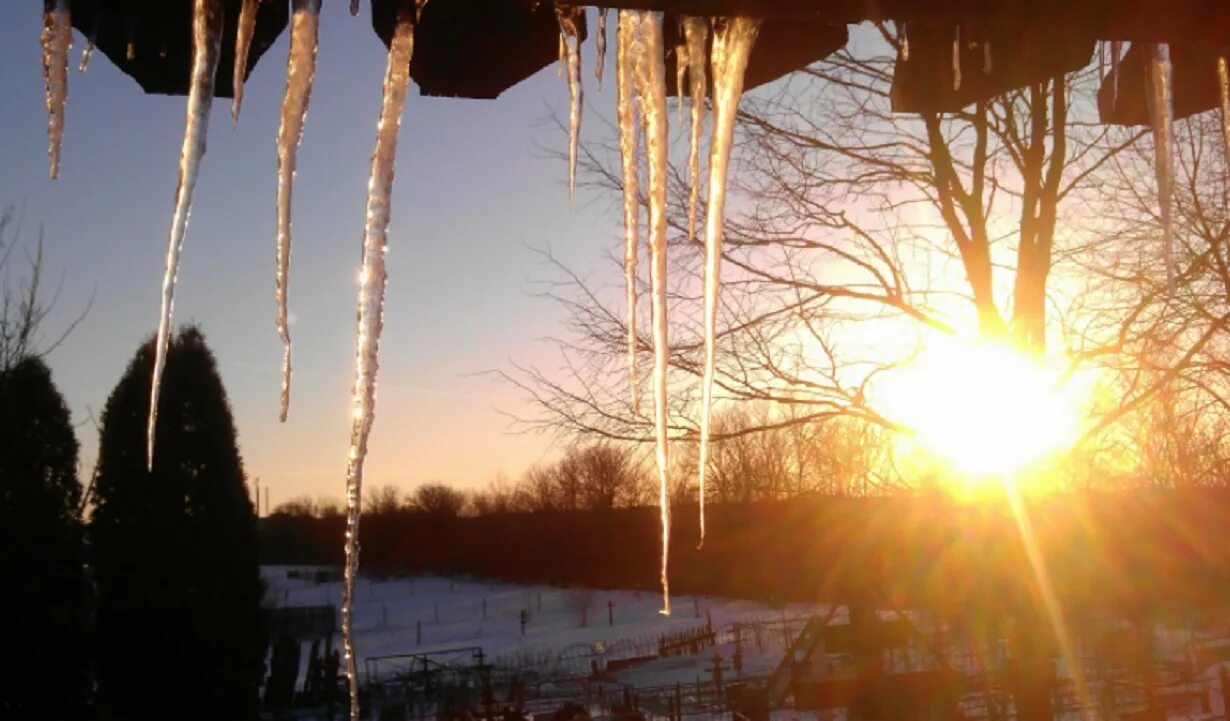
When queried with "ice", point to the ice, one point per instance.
{"points": [[57, 39], [986, 57], [243, 42], [600, 46], [905, 43], [567, 15], [681, 70], [130, 31], [732, 43], [89, 47], [206, 47], [372, 279], [956, 58], [649, 70], [85, 57], [1223, 76], [696, 33], [1116, 52], [625, 95], [300, 71], [1161, 107]]}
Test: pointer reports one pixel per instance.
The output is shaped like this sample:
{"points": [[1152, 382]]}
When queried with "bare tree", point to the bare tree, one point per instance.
{"points": [[439, 500], [858, 233], [23, 307], [383, 500]]}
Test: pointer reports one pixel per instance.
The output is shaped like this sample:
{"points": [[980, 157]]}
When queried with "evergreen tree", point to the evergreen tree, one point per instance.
{"points": [[174, 549], [45, 589]]}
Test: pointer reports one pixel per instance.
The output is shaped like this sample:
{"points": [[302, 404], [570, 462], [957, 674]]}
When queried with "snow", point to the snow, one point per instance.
{"points": [[386, 613]]}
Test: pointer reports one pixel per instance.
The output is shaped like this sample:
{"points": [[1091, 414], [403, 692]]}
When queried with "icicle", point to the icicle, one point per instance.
{"points": [[371, 315], [563, 57], [732, 43], [650, 72], [300, 71], [57, 39], [243, 42], [1223, 76], [85, 57], [1116, 48], [681, 70], [354, 7], [89, 46], [1161, 108], [696, 32], [956, 58], [130, 49], [567, 15], [625, 98], [206, 47], [1101, 60], [600, 43], [905, 43], [986, 57]]}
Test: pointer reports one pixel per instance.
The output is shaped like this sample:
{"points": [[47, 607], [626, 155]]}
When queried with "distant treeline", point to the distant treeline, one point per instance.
{"points": [[1133, 550]]}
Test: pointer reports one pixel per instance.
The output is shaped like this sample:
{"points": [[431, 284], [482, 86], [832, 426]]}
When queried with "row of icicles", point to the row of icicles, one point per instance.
{"points": [[641, 101]]}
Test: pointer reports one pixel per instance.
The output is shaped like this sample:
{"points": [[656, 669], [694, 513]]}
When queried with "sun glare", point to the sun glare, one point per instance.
{"points": [[984, 406]]}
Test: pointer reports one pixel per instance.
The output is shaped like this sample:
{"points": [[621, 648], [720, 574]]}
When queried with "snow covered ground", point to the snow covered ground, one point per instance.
{"points": [[391, 614]]}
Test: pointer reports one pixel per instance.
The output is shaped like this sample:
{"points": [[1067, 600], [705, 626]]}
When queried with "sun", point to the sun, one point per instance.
{"points": [[984, 406]]}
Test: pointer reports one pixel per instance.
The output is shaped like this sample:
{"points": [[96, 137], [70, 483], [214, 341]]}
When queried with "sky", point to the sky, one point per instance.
{"points": [[476, 198]]}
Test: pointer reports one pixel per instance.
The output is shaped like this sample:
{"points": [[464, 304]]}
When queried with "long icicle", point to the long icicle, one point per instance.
{"points": [[1223, 78], [206, 47], [600, 47], [625, 98], [57, 39], [243, 43], [1161, 112], [372, 279], [956, 58], [89, 45], [696, 32], [567, 15], [732, 43], [300, 72], [1116, 50], [650, 71], [681, 70]]}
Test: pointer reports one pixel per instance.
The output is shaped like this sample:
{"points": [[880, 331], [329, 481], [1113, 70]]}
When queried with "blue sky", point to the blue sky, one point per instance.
{"points": [[475, 195]]}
